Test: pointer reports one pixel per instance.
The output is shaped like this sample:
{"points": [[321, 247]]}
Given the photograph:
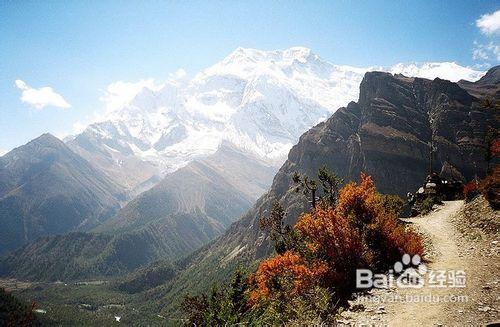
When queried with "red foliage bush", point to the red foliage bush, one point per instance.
{"points": [[341, 247], [383, 233], [490, 188], [495, 148], [359, 201], [470, 190], [389, 240], [360, 232], [285, 273]]}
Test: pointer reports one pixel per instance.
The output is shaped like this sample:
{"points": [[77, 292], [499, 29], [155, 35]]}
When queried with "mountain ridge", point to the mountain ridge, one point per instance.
{"points": [[261, 101], [184, 211], [210, 193], [45, 188]]}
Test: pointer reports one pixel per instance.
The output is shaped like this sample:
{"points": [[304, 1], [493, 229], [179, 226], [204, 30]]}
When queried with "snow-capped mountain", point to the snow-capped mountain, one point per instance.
{"points": [[261, 101], [445, 70]]}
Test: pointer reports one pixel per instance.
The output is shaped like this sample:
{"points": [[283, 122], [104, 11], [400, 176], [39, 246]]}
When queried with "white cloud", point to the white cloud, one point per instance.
{"points": [[118, 94], [2, 152], [489, 23], [179, 74], [489, 51], [42, 97], [478, 53], [481, 66]]}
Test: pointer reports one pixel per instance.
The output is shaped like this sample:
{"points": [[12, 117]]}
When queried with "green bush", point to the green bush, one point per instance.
{"points": [[313, 308], [428, 203], [392, 203]]}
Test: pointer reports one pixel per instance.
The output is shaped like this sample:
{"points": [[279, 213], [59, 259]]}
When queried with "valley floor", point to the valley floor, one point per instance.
{"points": [[459, 237]]}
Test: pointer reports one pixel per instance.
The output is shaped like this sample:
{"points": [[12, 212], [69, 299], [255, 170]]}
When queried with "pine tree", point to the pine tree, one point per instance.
{"points": [[330, 183], [237, 297], [274, 222], [307, 186]]}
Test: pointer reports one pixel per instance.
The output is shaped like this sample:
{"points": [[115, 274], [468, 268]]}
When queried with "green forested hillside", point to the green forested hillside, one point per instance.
{"points": [[76, 256]]}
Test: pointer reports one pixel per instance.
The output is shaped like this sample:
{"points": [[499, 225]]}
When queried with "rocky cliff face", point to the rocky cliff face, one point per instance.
{"points": [[385, 134]]}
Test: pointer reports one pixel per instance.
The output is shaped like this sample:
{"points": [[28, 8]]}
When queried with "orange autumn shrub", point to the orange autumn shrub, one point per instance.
{"points": [[383, 233], [389, 240], [361, 231], [359, 201], [490, 188], [332, 238], [287, 273]]}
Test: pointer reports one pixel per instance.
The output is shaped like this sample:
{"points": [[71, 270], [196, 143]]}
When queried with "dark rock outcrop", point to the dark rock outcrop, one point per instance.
{"points": [[386, 135]]}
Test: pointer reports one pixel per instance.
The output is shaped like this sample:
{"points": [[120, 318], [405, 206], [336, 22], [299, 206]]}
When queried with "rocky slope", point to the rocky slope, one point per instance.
{"points": [[487, 86], [45, 189], [197, 202], [385, 134], [116, 161]]}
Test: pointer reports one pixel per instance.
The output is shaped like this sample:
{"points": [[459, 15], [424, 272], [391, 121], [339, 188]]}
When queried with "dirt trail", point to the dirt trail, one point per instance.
{"points": [[446, 249], [444, 239]]}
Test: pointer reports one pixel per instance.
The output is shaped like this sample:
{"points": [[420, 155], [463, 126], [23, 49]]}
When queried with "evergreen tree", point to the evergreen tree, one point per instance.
{"points": [[277, 230], [237, 297], [330, 183], [307, 186]]}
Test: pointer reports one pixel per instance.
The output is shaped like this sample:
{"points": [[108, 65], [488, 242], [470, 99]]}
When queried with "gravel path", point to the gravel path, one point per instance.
{"points": [[449, 250]]}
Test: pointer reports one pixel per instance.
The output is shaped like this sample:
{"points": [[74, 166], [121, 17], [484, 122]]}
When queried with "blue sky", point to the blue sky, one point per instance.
{"points": [[78, 48]]}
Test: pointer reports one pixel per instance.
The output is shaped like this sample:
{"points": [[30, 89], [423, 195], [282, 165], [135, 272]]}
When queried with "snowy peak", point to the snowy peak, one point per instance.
{"points": [[247, 63], [247, 55], [298, 53], [445, 70], [260, 101]]}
